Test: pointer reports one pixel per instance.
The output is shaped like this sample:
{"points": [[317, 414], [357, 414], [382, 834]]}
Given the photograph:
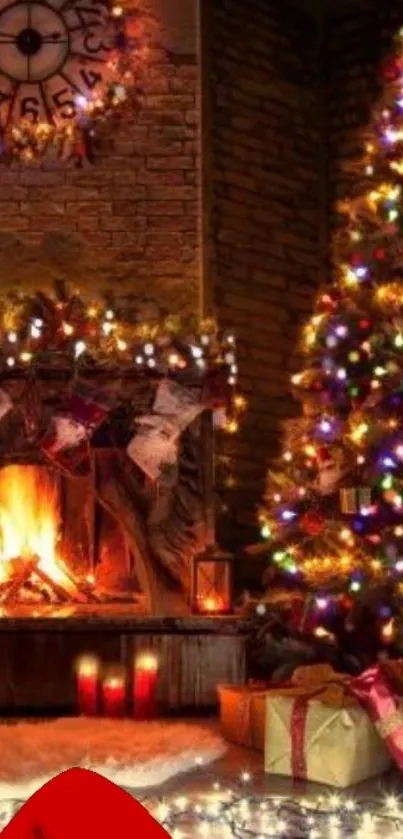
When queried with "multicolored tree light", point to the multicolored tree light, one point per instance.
{"points": [[334, 513]]}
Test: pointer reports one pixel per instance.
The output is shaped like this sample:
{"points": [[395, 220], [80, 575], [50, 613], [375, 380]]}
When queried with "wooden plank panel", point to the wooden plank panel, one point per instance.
{"points": [[37, 668]]}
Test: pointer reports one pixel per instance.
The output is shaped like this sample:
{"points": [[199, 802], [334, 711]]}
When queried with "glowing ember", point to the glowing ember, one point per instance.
{"points": [[29, 520]]}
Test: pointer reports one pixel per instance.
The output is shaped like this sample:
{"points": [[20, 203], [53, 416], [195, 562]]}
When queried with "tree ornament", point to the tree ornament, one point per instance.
{"points": [[327, 303], [331, 469], [311, 405], [312, 523], [391, 68], [323, 454], [355, 499]]}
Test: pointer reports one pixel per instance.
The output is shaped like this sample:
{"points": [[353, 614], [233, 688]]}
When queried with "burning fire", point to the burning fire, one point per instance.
{"points": [[29, 520]]}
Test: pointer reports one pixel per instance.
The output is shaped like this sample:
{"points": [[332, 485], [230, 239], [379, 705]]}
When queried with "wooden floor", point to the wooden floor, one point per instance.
{"points": [[238, 760]]}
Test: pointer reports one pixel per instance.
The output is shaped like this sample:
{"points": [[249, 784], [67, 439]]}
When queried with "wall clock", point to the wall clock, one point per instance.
{"points": [[58, 61]]}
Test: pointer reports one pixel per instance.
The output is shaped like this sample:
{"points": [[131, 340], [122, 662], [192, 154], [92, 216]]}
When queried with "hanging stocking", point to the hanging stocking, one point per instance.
{"points": [[155, 446], [182, 405], [217, 392], [67, 440], [31, 411], [6, 403]]}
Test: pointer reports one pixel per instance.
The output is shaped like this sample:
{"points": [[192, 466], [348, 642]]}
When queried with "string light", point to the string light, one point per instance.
{"points": [[236, 812]]}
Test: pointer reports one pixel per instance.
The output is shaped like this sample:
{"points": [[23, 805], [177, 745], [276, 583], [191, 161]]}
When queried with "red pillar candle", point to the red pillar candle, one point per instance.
{"points": [[114, 695], [87, 685], [145, 683]]}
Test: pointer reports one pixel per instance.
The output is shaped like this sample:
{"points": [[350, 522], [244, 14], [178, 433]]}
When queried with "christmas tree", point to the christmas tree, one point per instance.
{"points": [[333, 514]]}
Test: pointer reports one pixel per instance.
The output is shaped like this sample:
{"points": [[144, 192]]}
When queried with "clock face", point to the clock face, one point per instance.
{"points": [[53, 55]]}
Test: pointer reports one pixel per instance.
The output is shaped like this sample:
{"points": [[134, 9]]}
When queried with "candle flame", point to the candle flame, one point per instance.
{"points": [[212, 604], [87, 666], [113, 682], [147, 662]]}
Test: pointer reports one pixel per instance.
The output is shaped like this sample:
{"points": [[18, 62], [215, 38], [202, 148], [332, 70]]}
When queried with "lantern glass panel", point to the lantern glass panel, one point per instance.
{"points": [[212, 585]]}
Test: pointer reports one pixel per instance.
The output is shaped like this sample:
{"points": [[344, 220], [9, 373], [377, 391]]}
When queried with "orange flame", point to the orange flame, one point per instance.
{"points": [[29, 519]]}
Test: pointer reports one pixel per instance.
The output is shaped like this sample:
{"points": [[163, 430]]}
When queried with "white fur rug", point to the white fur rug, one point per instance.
{"points": [[132, 754]]}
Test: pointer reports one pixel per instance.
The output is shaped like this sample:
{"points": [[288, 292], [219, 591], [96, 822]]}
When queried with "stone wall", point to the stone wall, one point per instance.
{"points": [[264, 192], [133, 218]]}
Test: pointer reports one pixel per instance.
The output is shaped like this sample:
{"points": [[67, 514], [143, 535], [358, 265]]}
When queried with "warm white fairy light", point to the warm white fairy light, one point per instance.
{"points": [[35, 331], [79, 348], [236, 815], [197, 352]]}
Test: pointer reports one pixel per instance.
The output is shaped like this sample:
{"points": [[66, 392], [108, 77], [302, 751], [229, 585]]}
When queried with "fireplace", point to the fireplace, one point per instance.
{"points": [[106, 498], [58, 545], [104, 540]]}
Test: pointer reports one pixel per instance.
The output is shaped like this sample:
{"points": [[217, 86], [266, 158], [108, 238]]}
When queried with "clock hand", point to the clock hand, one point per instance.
{"points": [[52, 41]]}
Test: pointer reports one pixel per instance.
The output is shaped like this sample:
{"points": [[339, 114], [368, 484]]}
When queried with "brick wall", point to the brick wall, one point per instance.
{"points": [[134, 217], [354, 42], [264, 211]]}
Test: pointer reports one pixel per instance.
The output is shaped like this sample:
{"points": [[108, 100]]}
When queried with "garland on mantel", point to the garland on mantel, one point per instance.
{"points": [[61, 330]]}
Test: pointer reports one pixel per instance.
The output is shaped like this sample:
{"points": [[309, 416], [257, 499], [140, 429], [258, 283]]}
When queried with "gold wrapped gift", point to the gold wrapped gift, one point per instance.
{"points": [[242, 714], [310, 740], [243, 707]]}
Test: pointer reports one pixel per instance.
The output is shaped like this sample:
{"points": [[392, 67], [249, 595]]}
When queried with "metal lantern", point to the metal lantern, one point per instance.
{"points": [[211, 583]]}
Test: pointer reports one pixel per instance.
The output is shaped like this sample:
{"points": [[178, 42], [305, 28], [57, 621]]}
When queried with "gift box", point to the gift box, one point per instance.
{"points": [[243, 707], [332, 742], [378, 689], [242, 714]]}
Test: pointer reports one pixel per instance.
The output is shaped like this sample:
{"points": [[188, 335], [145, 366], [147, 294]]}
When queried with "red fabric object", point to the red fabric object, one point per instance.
{"points": [[66, 442], [80, 804], [373, 690], [298, 728], [312, 523], [216, 392], [391, 68]]}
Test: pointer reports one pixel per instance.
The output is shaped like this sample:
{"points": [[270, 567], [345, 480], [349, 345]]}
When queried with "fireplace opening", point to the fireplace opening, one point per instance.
{"points": [[58, 546]]}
